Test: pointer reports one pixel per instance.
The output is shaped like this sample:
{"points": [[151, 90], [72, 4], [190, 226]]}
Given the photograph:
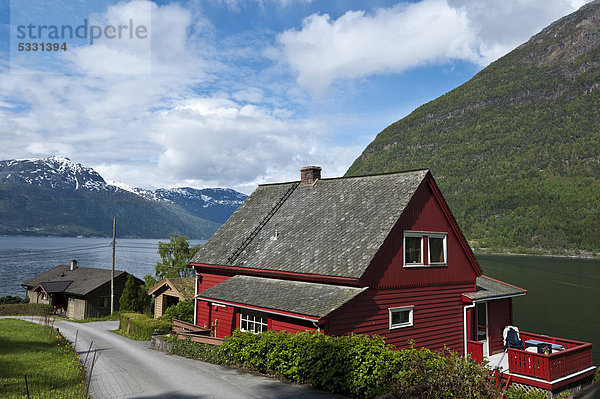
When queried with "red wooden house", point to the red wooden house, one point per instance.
{"points": [[378, 254]]}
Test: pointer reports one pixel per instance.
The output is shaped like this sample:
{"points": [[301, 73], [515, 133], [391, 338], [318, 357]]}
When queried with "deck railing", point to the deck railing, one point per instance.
{"points": [[577, 356], [475, 349]]}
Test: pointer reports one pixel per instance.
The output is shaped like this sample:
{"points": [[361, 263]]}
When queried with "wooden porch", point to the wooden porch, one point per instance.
{"points": [[183, 330], [569, 361]]}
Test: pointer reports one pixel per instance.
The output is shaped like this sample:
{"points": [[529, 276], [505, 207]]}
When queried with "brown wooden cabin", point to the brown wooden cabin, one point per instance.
{"points": [[170, 291], [77, 292]]}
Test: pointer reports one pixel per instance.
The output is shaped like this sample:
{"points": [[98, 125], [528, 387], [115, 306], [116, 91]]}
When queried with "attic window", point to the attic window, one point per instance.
{"points": [[424, 249]]}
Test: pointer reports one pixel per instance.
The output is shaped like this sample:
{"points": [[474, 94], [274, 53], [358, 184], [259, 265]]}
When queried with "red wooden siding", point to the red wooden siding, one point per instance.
{"points": [[228, 319], [499, 316], [423, 213], [437, 317], [203, 314], [280, 323], [203, 309], [208, 280], [224, 316]]}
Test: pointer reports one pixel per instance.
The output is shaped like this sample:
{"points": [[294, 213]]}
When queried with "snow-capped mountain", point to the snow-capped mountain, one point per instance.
{"points": [[52, 172], [64, 193], [205, 197]]}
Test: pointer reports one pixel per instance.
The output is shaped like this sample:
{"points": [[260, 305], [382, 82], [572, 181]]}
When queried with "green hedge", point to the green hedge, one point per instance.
{"points": [[196, 350], [141, 327], [25, 309], [359, 366]]}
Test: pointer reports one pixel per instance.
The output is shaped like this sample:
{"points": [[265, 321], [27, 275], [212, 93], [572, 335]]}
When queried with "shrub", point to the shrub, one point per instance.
{"points": [[359, 366], [426, 374], [518, 393], [25, 309], [197, 350], [183, 310], [13, 299], [141, 327]]}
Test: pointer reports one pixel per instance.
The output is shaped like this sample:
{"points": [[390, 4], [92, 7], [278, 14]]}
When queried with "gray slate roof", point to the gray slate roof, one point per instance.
{"points": [[84, 279], [310, 299], [488, 288], [332, 228]]}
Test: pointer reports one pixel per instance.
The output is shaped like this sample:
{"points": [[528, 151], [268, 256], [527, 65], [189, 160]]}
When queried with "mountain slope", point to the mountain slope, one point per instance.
{"points": [[54, 196], [515, 150]]}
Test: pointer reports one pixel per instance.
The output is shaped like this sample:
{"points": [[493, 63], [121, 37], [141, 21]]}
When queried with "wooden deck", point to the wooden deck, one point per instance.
{"points": [[546, 371]]}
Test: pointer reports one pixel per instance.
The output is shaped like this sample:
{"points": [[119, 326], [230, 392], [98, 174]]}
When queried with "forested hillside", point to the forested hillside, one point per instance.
{"points": [[515, 150]]}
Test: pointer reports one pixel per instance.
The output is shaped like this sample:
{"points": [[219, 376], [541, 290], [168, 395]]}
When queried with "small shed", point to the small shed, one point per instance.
{"points": [[170, 291]]}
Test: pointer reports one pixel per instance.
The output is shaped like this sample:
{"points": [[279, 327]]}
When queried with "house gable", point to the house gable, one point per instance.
{"points": [[425, 215], [332, 227]]}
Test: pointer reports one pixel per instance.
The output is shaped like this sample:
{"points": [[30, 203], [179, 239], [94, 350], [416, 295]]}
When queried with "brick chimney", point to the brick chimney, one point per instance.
{"points": [[73, 265], [310, 174]]}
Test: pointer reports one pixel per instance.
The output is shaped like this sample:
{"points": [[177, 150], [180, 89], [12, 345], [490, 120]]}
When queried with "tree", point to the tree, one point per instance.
{"points": [[175, 256], [134, 296]]}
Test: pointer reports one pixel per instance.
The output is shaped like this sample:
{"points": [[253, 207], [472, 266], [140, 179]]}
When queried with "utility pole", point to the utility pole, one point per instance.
{"points": [[112, 272]]}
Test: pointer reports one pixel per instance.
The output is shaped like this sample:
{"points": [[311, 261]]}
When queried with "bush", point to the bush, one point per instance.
{"points": [[422, 373], [518, 393], [358, 365], [13, 299], [183, 311], [197, 350], [141, 327], [25, 309]]}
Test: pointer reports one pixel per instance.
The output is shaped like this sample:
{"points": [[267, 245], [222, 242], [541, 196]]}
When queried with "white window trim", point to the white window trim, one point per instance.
{"points": [[410, 322], [262, 315], [421, 234], [412, 234], [443, 236]]}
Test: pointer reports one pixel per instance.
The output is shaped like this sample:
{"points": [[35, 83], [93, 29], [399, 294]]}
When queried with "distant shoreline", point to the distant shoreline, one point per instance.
{"points": [[585, 256]]}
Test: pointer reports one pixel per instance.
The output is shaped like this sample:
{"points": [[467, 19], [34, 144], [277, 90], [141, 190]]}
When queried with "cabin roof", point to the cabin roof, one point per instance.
{"points": [[83, 279], [184, 286], [489, 288], [310, 299], [333, 227], [54, 287]]}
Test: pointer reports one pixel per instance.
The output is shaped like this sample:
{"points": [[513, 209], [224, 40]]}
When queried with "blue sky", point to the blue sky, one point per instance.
{"points": [[233, 93]]}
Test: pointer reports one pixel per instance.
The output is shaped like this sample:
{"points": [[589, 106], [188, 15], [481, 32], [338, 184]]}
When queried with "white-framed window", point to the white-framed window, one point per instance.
{"points": [[43, 296], [425, 249], [401, 317], [437, 248], [256, 322]]}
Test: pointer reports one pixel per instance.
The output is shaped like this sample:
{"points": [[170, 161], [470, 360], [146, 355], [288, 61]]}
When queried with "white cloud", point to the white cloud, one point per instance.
{"points": [[408, 35], [236, 6], [163, 127], [209, 141]]}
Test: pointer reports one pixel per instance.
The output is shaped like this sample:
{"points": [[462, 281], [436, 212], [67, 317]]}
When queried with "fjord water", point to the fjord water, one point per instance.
{"points": [[24, 257], [563, 296]]}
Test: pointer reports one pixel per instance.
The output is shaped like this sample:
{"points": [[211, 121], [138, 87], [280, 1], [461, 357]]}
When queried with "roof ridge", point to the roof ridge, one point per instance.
{"points": [[351, 177]]}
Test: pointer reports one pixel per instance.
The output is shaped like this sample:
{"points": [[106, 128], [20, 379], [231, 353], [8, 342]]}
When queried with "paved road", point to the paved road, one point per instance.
{"points": [[130, 369]]}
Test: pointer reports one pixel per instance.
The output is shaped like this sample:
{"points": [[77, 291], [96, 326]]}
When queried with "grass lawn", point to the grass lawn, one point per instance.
{"points": [[52, 367]]}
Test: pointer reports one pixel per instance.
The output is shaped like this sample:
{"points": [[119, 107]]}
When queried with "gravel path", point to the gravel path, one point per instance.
{"points": [[130, 369]]}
